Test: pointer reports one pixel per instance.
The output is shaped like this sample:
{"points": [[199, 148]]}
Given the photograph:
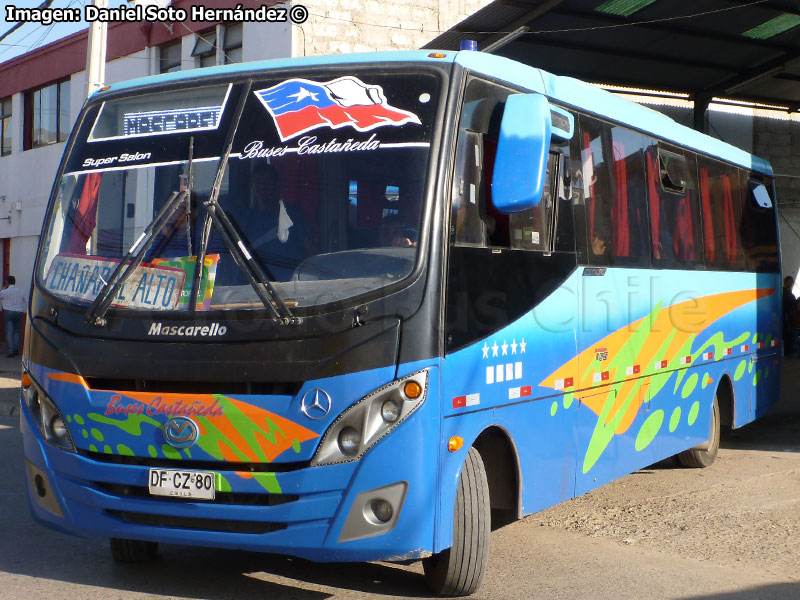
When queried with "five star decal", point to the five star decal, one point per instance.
{"points": [[506, 371], [503, 350]]}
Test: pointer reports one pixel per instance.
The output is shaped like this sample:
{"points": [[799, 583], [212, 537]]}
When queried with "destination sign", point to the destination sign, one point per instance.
{"points": [[153, 122], [82, 277]]}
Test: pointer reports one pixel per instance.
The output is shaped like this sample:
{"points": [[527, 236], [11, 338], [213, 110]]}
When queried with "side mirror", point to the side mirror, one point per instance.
{"points": [[520, 165]]}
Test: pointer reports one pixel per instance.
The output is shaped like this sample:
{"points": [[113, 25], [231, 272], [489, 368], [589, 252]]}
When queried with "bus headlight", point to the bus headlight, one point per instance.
{"points": [[349, 441], [48, 419], [362, 425]]}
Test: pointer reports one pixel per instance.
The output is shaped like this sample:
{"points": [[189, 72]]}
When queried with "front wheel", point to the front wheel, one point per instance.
{"points": [[700, 459], [459, 570]]}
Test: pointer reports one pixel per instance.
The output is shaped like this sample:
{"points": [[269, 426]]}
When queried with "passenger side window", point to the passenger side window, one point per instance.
{"points": [[473, 220], [720, 195], [759, 230], [628, 209], [532, 229], [596, 177], [675, 225], [613, 184], [467, 222]]}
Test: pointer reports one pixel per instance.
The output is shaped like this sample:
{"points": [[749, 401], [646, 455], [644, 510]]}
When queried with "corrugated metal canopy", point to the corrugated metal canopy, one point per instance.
{"points": [[707, 48]]}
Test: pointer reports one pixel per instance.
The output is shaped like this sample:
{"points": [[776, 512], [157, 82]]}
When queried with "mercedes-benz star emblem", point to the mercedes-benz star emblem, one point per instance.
{"points": [[316, 404], [180, 432]]}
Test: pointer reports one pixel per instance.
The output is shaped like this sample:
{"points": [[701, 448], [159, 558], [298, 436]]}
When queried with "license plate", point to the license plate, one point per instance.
{"points": [[182, 484]]}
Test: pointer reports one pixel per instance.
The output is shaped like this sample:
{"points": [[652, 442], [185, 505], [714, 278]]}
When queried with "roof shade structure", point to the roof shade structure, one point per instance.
{"points": [[746, 50]]}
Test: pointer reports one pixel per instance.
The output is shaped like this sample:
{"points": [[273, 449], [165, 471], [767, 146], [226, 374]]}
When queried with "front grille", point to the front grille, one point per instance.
{"points": [[265, 388], [224, 525], [135, 491], [199, 465]]}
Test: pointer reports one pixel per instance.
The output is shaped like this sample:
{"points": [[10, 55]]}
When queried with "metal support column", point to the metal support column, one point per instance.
{"points": [[701, 113]]}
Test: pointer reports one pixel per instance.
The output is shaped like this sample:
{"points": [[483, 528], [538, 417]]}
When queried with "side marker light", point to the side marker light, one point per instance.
{"points": [[25, 380], [437, 55], [455, 443], [412, 390]]}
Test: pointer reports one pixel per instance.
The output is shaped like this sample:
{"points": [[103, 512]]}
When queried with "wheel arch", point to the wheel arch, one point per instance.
{"points": [[726, 400], [499, 454]]}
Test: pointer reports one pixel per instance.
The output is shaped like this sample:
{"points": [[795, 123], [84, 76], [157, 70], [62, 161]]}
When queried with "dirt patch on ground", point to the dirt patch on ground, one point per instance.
{"points": [[746, 507]]}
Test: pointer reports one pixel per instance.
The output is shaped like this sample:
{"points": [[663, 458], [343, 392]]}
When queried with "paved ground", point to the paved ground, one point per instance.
{"points": [[10, 370]]}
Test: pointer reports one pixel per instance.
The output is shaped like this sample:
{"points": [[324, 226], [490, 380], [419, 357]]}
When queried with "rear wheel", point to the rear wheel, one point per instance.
{"points": [[700, 459], [130, 551], [459, 570]]}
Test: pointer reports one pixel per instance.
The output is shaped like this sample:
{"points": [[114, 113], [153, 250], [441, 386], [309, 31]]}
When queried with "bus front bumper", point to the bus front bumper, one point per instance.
{"points": [[325, 513]]}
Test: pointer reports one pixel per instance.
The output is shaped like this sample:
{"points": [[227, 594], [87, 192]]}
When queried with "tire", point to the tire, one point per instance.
{"points": [[700, 459], [459, 570], [132, 551]]}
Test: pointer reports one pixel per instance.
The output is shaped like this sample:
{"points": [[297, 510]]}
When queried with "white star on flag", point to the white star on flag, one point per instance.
{"points": [[522, 345], [513, 346], [505, 348], [304, 93], [485, 350], [494, 349]]}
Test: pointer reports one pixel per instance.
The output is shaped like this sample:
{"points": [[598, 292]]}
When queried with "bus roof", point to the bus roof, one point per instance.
{"points": [[591, 99], [563, 90]]}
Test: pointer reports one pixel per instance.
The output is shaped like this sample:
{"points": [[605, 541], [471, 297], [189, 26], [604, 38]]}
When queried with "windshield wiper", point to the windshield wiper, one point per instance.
{"points": [[242, 256], [129, 263], [96, 313], [189, 184]]}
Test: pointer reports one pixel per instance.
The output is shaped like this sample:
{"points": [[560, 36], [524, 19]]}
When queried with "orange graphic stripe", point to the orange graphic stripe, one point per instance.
{"points": [[681, 322], [68, 378]]}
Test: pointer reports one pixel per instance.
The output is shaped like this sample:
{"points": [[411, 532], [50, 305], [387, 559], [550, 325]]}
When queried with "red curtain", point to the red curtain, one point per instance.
{"points": [[85, 218], [732, 247], [708, 223], [683, 240], [619, 213]]}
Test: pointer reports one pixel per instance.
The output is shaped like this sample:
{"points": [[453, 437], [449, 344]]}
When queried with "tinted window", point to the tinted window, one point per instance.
{"points": [[596, 161], [759, 229], [628, 209], [473, 220], [675, 225], [532, 229], [722, 214], [500, 266], [613, 183]]}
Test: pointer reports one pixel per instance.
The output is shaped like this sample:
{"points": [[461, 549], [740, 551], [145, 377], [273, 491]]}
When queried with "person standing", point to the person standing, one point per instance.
{"points": [[13, 303]]}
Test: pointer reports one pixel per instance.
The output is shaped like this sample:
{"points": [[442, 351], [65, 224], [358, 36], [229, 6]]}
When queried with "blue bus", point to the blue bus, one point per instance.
{"points": [[371, 307]]}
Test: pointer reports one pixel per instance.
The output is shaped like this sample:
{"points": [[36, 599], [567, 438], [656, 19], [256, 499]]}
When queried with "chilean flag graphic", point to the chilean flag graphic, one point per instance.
{"points": [[300, 105]]}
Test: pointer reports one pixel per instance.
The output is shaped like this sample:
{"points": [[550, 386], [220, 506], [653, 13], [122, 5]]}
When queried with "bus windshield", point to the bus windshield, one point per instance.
{"points": [[321, 196]]}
